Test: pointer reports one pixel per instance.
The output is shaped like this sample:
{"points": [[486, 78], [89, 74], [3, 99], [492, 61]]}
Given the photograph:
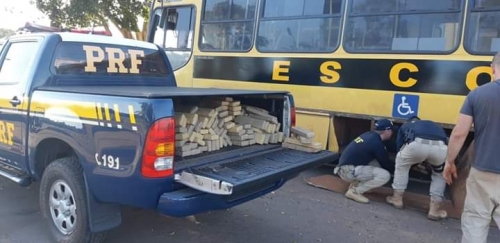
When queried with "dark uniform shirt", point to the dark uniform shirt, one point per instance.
{"points": [[420, 129], [365, 148]]}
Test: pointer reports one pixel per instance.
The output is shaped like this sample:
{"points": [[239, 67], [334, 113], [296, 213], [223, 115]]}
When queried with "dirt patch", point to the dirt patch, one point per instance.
{"points": [[411, 200]]}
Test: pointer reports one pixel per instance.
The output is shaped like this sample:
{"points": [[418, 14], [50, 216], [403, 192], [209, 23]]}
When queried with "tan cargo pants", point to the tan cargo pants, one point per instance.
{"points": [[416, 152], [482, 203], [364, 178]]}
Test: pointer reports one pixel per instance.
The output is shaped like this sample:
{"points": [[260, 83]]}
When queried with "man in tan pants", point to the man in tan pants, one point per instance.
{"points": [[482, 202], [419, 141]]}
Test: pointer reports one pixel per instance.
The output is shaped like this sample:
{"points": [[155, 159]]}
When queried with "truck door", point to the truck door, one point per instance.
{"points": [[16, 59]]}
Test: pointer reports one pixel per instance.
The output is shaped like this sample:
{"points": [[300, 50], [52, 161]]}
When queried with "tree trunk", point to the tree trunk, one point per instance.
{"points": [[127, 34], [143, 34], [104, 23]]}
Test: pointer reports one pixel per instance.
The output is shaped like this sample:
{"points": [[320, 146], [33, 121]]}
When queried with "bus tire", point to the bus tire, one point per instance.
{"points": [[63, 202]]}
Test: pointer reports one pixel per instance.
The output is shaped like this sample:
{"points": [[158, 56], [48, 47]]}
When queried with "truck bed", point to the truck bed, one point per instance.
{"points": [[155, 91]]}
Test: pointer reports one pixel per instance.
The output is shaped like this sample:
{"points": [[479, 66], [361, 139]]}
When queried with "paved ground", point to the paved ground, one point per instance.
{"points": [[296, 213]]}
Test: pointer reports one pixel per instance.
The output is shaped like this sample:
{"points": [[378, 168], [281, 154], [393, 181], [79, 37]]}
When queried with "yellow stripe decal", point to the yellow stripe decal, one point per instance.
{"points": [[85, 110], [99, 111], [106, 110], [131, 113], [117, 112]]}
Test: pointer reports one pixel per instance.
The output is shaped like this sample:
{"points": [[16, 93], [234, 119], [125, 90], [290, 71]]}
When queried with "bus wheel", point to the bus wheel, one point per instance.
{"points": [[63, 202]]}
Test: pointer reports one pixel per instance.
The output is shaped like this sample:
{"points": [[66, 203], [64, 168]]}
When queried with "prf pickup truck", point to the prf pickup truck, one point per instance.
{"points": [[94, 120]]}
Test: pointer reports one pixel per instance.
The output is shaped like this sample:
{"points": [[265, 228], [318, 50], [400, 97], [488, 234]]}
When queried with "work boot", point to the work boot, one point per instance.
{"points": [[353, 184], [358, 197], [396, 199], [434, 212]]}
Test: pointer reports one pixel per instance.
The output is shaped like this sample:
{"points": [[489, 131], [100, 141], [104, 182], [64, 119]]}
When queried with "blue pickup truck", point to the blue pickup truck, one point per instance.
{"points": [[95, 120]]}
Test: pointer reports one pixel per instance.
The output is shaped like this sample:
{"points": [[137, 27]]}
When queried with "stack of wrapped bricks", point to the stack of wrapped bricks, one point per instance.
{"points": [[221, 122]]}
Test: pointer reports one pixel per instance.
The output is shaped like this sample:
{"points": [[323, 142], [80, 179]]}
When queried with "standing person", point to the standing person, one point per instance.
{"points": [[482, 108], [419, 141], [357, 164]]}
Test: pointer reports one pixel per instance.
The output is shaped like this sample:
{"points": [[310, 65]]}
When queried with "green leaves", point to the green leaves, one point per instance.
{"points": [[6, 33], [82, 13]]}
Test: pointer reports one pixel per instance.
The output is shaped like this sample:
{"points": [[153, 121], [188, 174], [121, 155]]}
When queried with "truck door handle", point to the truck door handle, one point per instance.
{"points": [[15, 101]]}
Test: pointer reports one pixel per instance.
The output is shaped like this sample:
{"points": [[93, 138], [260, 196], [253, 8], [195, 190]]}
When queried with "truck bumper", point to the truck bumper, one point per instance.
{"points": [[188, 201]]}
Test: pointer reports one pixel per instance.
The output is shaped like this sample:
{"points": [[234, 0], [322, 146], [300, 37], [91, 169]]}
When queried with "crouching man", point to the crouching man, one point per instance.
{"points": [[419, 141], [359, 162]]}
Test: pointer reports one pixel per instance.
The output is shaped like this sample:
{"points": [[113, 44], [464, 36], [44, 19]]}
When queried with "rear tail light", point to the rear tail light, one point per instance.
{"points": [[292, 116], [159, 149]]}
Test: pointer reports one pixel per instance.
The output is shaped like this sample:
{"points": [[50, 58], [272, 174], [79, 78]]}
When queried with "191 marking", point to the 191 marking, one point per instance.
{"points": [[107, 161]]}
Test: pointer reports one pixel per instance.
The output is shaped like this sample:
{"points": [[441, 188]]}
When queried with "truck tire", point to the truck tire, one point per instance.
{"points": [[62, 188]]}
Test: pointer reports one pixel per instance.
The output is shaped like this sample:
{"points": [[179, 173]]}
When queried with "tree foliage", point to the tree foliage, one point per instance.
{"points": [[6, 32], [124, 14]]}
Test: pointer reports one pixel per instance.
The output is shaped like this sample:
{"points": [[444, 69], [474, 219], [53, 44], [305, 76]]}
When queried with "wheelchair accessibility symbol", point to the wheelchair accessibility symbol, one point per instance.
{"points": [[405, 105]]}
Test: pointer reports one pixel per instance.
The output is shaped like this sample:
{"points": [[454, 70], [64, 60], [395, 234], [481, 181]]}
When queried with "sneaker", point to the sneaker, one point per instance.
{"points": [[351, 194]]}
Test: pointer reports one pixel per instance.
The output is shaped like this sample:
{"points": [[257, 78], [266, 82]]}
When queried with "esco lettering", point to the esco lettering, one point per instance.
{"points": [[396, 70], [280, 67], [113, 60], [6, 133], [330, 73], [473, 74], [328, 69]]}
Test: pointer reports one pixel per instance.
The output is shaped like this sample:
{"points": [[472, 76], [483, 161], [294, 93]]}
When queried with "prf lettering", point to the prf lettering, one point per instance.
{"points": [[116, 58], [6, 132]]}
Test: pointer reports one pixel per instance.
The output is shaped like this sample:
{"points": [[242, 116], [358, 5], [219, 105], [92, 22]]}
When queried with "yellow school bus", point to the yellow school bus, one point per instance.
{"points": [[347, 62]]}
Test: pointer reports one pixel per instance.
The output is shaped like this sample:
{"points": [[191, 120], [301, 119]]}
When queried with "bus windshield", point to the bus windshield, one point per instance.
{"points": [[173, 30]]}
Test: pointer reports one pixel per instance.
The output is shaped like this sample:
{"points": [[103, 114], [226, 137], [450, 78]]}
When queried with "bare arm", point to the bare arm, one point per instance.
{"points": [[457, 137]]}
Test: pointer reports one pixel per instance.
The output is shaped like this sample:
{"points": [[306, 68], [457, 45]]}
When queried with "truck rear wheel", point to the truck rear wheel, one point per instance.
{"points": [[63, 202]]}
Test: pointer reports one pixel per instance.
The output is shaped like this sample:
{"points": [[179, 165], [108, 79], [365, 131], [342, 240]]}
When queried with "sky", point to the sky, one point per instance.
{"points": [[15, 13]]}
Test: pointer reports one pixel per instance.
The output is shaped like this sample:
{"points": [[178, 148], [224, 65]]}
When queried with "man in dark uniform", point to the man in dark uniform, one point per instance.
{"points": [[358, 162], [419, 141]]}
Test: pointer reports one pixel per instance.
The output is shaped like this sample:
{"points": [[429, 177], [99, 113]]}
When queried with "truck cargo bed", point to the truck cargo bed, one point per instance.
{"points": [[232, 175]]}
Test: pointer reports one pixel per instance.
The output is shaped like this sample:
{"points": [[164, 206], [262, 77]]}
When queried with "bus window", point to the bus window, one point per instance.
{"points": [[299, 26], [386, 26], [174, 32], [483, 32], [227, 25]]}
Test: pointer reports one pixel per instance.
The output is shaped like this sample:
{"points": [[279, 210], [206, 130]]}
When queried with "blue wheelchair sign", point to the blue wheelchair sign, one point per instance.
{"points": [[405, 105]]}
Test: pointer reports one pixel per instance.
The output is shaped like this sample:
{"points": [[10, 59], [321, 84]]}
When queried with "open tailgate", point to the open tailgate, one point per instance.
{"points": [[229, 176]]}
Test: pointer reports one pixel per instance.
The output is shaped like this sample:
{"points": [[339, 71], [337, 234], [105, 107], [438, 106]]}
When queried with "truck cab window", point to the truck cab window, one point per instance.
{"points": [[17, 62], [174, 32], [483, 32]]}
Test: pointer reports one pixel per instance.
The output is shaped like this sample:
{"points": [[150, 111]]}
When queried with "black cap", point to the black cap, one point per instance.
{"points": [[383, 124]]}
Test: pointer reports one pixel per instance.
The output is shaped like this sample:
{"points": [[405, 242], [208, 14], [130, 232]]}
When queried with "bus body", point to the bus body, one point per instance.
{"points": [[347, 62]]}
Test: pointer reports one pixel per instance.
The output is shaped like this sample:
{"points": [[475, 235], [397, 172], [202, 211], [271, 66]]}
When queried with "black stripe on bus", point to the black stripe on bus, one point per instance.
{"points": [[423, 76]]}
